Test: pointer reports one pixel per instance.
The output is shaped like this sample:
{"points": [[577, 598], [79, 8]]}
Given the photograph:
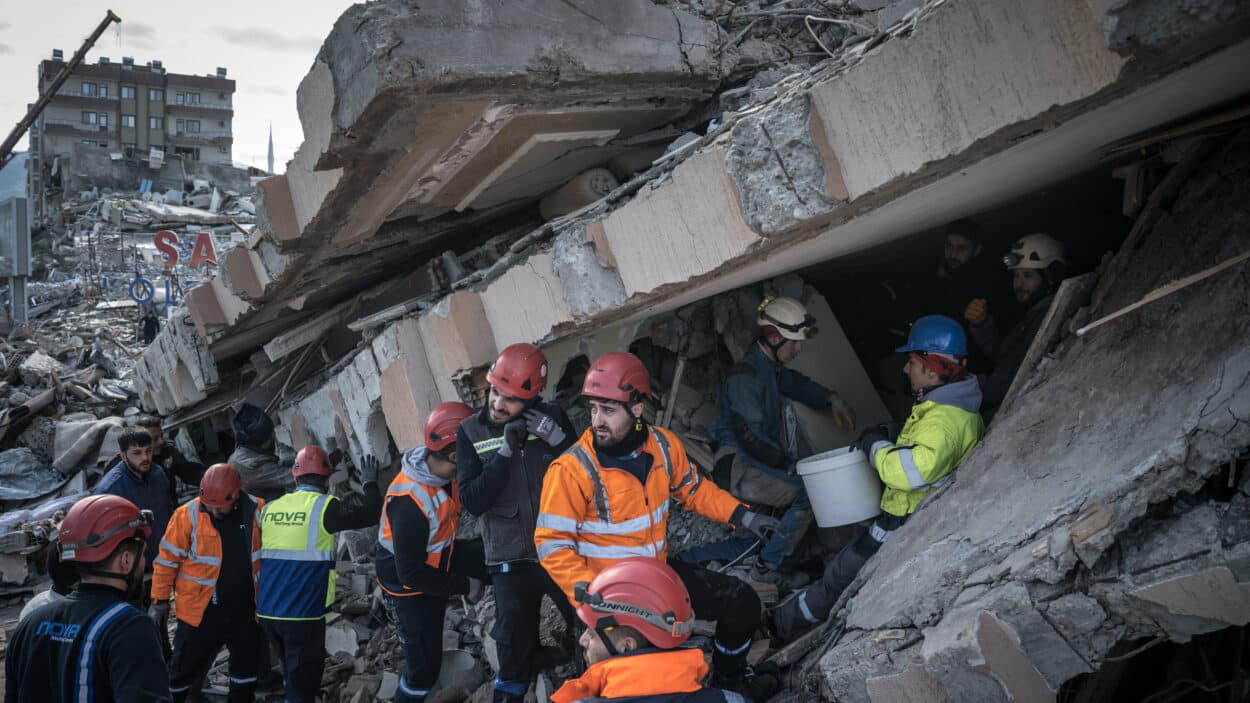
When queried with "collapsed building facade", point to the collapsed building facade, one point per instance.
{"points": [[476, 177]]}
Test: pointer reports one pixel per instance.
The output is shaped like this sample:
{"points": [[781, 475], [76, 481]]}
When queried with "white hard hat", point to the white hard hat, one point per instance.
{"points": [[1034, 251], [788, 316]]}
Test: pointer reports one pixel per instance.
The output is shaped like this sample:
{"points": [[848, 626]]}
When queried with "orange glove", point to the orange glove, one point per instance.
{"points": [[976, 311]]}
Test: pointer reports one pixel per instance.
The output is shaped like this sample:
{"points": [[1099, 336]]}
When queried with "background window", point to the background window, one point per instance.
{"points": [[104, 119], [88, 118], [156, 123], [156, 95], [128, 120], [128, 92], [104, 91], [193, 126], [88, 88]]}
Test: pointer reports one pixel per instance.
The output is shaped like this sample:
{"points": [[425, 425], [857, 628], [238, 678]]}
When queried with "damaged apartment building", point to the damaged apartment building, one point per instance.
{"points": [[637, 175]]}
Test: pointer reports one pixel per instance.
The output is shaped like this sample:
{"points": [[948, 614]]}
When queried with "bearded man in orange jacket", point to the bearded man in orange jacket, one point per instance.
{"points": [[607, 499]]}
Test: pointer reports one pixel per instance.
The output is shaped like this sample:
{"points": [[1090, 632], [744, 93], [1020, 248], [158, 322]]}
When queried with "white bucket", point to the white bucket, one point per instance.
{"points": [[842, 485]]}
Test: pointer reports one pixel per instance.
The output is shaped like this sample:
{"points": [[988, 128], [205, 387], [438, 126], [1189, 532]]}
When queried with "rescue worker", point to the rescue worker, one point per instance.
{"points": [[607, 499], [134, 475], [943, 427], [419, 562], [93, 645], [64, 578], [1037, 268], [502, 454], [208, 564], [297, 576], [638, 614], [758, 447], [264, 474], [167, 455]]}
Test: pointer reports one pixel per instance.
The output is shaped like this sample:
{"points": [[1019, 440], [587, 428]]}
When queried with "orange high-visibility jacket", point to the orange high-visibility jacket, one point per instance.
{"points": [[591, 516], [441, 507], [190, 559], [656, 675]]}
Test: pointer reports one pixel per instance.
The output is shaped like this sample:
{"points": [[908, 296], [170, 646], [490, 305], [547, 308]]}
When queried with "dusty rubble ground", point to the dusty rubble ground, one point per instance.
{"points": [[67, 383]]}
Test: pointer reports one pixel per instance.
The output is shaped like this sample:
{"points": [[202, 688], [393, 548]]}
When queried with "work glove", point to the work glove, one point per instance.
{"points": [[976, 311], [870, 437], [369, 469], [514, 434], [544, 427], [843, 414], [159, 612], [760, 524], [477, 589]]}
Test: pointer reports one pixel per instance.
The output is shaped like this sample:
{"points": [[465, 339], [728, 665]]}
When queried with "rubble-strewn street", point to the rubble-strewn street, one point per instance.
{"points": [[552, 291]]}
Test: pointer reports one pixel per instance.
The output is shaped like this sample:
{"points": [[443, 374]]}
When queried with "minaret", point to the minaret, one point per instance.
{"points": [[271, 148]]}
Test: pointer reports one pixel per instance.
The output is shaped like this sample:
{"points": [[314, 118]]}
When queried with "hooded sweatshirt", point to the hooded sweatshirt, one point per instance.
{"points": [[406, 570], [943, 427]]}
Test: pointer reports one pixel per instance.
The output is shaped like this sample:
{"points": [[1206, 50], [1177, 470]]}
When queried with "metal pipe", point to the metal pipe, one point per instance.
{"points": [[6, 148]]}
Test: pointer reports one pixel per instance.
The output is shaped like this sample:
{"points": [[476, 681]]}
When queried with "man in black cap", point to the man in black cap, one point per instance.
{"points": [[264, 475]]}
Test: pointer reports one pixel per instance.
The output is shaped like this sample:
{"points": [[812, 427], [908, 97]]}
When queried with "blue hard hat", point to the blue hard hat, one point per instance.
{"points": [[936, 333]]}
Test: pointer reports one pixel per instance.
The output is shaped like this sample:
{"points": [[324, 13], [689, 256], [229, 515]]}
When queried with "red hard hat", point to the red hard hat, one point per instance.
{"points": [[312, 460], [520, 371], [96, 525], [642, 593], [220, 487], [617, 376], [440, 426]]}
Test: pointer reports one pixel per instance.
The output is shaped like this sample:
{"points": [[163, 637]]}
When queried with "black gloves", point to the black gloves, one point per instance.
{"points": [[369, 469], [514, 434], [869, 438]]}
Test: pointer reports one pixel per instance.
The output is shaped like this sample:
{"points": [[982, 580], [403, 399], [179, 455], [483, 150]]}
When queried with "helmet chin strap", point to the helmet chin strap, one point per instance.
{"points": [[133, 578]]}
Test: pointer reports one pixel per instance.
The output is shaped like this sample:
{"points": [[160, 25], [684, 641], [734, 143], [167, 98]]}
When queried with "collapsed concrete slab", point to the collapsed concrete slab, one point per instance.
{"points": [[1065, 531], [861, 158], [416, 112]]}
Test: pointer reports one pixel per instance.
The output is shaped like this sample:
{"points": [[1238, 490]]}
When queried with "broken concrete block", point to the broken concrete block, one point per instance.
{"points": [[526, 303], [38, 368], [587, 285], [1211, 594], [13, 569], [911, 685], [341, 637], [781, 176], [390, 684], [458, 328], [407, 387], [680, 230]]}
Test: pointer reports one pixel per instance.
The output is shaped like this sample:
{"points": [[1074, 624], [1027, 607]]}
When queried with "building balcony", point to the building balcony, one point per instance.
{"points": [[203, 138], [217, 111], [75, 129]]}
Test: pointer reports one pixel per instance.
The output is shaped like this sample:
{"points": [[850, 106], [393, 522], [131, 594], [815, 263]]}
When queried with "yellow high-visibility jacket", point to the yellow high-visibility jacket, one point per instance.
{"points": [[938, 434]]}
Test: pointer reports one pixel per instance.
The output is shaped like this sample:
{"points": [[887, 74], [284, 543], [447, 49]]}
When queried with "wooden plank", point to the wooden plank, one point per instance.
{"points": [[1072, 294]]}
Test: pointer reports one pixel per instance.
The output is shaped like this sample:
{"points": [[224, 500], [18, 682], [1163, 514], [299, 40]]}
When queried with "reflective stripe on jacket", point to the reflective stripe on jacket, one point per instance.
{"points": [[591, 516], [297, 554], [646, 676], [441, 509], [938, 434], [189, 560]]}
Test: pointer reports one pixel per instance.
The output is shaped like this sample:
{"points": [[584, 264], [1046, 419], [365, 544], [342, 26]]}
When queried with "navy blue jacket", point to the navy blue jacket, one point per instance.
{"points": [[750, 408], [91, 646], [149, 493]]}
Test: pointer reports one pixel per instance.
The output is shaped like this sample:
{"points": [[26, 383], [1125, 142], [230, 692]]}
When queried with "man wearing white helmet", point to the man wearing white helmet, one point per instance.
{"points": [[756, 451], [1037, 266]]}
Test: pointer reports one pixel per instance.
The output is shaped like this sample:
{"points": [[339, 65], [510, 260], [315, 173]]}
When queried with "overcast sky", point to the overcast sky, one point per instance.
{"points": [[266, 45]]}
